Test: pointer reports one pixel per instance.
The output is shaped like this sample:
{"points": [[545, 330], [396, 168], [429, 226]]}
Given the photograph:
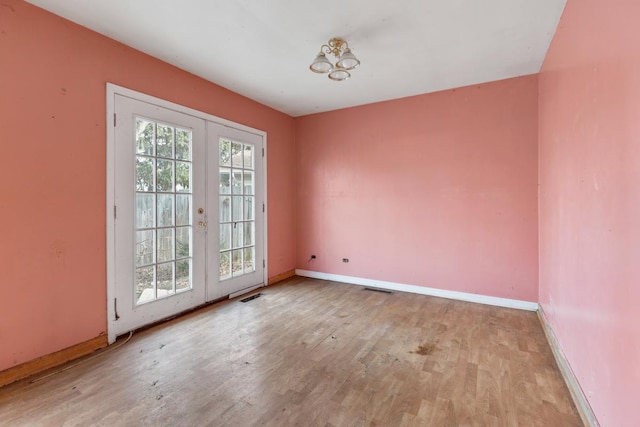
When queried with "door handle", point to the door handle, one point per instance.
{"points": [[202, 224]]}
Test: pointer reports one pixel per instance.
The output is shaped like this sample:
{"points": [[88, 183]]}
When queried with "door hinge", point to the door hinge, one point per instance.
{"points": [[114, 119], [262, 151], [263, 208], [114, 212], [264, 263], [115, 308]]}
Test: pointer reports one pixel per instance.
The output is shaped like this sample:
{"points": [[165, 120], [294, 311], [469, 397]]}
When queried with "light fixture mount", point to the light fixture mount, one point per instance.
{"points": [[335, 46], [346, 60]]}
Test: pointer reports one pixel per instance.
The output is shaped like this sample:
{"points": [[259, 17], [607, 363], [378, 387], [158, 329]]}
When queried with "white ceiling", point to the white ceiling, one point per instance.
{"points": [[262, 48]]}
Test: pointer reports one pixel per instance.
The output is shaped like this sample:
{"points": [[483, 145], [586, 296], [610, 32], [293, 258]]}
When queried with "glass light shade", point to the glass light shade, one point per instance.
{"points": [[348, 60], [339, 74], [321, 64]]}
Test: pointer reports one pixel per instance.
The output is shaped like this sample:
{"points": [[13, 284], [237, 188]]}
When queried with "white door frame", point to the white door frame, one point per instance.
{"points": [[112, 90]]}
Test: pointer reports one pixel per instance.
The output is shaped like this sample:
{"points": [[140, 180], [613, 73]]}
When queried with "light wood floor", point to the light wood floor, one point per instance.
{"points": [[313, 353]]}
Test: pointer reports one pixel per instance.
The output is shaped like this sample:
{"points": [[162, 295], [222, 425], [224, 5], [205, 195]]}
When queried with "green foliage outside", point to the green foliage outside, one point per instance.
{"points": [[163, 165]]}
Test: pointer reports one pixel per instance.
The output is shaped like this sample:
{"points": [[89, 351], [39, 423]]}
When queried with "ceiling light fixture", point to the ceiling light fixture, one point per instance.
{"points": [[346, 60]]}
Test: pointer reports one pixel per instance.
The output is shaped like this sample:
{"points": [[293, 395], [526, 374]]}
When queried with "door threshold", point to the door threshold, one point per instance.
{"points": [[245, 291]]}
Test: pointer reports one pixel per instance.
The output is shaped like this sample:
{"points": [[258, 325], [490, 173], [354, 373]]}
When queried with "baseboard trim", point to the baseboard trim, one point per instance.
{"points": [[461, 296], [52, 360], [579, 399], [282, 276]]}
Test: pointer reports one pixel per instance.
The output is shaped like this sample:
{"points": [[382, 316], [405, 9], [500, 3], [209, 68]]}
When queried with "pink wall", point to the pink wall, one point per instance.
{"points": [[590, 201], [52, 172], [437, 190]]}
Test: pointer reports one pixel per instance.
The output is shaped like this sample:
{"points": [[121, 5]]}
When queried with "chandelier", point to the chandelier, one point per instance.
{"points": [[346, 60]]}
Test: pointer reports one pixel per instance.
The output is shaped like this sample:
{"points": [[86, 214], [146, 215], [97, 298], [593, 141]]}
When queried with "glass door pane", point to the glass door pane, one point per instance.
{"points": [[163, 181], [237, 208]]}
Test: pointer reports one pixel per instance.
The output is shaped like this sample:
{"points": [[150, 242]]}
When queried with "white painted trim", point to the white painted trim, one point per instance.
{"points": [[111, 265], [265, 250], [113, 90], [579, 399], [442, 293]]}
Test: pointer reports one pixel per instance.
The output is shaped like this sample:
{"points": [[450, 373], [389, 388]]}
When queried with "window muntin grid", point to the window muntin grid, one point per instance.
{"points": [[236, 208], [164, 200]]}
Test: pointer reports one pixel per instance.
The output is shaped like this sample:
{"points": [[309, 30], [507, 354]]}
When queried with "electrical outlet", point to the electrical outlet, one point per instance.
{"points": [[345, 259]]}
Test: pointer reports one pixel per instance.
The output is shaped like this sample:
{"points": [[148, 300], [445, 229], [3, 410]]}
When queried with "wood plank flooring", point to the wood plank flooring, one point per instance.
{"points": [[313, 353]]}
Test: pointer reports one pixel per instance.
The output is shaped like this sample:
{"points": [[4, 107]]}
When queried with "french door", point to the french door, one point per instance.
{"points": [[238, 262], [188, 222]]}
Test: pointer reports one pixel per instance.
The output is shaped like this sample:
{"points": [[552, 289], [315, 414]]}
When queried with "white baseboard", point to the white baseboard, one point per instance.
{"points": [[461, 296], [582, 404]]}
